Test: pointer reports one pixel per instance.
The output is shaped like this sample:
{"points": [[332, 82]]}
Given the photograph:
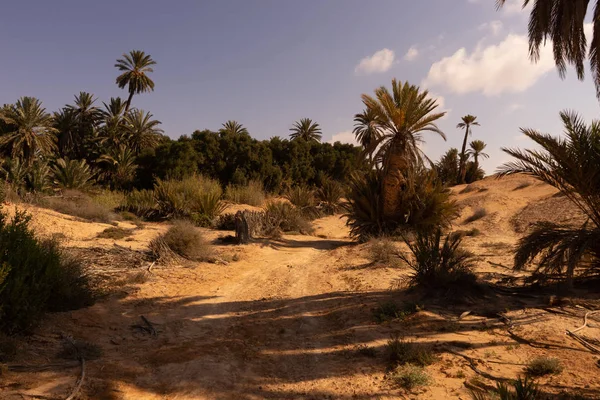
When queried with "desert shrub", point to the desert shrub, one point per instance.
{"points": [[226, 222], [111, 199], [541, 366], [570, 163], [424, 205], [383, 251], [252, 194], [193, 195], [402, 352], [409, 376], [479, 213], [141, 203], [77, 204], [303, 199], [389, 311], [185, 240], [522, 186], [37, 277], [329, 197], [286, 217], [71, 174], [471, 232], [440, 265], [366, 351], [114, 233], [520, 389]]}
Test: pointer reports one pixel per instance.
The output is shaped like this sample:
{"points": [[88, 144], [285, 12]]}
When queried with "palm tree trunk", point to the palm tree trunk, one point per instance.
{"points": [[128, 101], [463, 160], [393, 180]]}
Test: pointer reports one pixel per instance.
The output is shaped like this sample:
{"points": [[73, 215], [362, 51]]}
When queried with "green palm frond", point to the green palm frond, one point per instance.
{"points": [[71, 174], [142, 131], [135, 66], [306, 129], [233, 128]]}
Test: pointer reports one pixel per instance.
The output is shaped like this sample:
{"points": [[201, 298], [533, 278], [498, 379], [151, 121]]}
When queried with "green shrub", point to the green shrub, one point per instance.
{"points": [[389, 311], [303, 199], [185, 240], [141, 203], [193, 195], [252, 194], [71, 174], [111, 199], [77, 204], [522, 389], [541, 366], [477, 214], [38, 178], [440, 266], [424, 204], [37, 277], [329, 197], [409, 376]]}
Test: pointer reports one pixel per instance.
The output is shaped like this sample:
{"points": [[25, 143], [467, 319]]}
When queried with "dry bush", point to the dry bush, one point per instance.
{"points": [[479, 213], [78, 204], [523, 186], [285, 217], [470, 233], [226, 222], [409, 376], [110, 199], [384, 251], [184, 240], [541, 366], [252, 194], [114, 233]]}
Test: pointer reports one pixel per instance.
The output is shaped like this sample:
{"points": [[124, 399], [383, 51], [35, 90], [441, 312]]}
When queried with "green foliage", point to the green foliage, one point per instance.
{"points": [[520, 389], [424, 205], [38, 178], [141, 203], [285, 217], [329, 196], [71, 174], [541, 366], [252, 194], [409, 376], [448, 167], [36, 277], [303, 199], [570, 164], [306, 129], [440, 266]]}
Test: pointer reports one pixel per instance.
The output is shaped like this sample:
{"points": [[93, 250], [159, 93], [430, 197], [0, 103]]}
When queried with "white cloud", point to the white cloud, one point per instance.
{"points": [[512, 7], [494, 27], [381, 61], [412, 53], [344, 137], [492, 70], [515, 107]]}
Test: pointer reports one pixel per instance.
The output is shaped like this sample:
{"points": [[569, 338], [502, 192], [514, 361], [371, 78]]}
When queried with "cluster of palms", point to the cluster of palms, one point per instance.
{"points": [[105, 140]]}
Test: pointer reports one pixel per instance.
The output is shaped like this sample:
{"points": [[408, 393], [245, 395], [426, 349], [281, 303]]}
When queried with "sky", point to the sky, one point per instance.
{"points": [[268, 63]]}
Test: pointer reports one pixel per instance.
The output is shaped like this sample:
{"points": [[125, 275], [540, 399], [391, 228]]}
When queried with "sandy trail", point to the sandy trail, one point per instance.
{"points": [[288, 319]]}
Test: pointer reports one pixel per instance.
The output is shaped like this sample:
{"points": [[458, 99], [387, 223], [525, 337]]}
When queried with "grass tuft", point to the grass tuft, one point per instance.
{"points": [[409, 376], [541, 366]]}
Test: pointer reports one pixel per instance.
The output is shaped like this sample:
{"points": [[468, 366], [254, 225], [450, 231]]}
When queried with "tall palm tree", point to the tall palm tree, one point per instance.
{"points": [[476, 150], [135, 65], [142, 131], [306, 129], [572, 165], [562, 21], [112, 131], [366, 129], [234, 128], [86, 117], [402, 116], [30, 130], [467, 121]]}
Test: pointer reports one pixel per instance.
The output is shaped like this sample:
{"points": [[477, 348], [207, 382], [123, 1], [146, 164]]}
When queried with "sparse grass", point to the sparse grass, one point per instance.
{"points": [[79, 205], [252, 194], [409, 376], [383, 251], [184, 240], [403, 352], [541, 366], [110, 199], [477, 215], [114, 233]]}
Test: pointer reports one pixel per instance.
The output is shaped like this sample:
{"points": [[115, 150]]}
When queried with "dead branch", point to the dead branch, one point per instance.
{"points": [[82, 376], [150, 326], [579, 338], [474, 366]]}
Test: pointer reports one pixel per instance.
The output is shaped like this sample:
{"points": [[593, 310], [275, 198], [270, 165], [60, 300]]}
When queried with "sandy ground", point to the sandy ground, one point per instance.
{"points": [[289, 317]]}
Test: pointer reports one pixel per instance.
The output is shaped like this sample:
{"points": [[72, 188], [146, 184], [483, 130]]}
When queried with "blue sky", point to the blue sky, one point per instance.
{"points": [[267, 63]]}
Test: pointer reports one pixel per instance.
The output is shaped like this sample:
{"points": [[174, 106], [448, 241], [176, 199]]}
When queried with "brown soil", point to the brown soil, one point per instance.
{"points": [[289, 318]]}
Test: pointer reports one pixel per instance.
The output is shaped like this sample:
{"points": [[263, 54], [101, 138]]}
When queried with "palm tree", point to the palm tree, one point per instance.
{"points": [[29, 130], [477, 147], [112, 131], [86, 117], [135, 66], [120, 166], [467, 121], [234, 128], [142, 131], [366, 129], [572, 165], [562, 21], [66, 130], [306, 129], [402, 116]]}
